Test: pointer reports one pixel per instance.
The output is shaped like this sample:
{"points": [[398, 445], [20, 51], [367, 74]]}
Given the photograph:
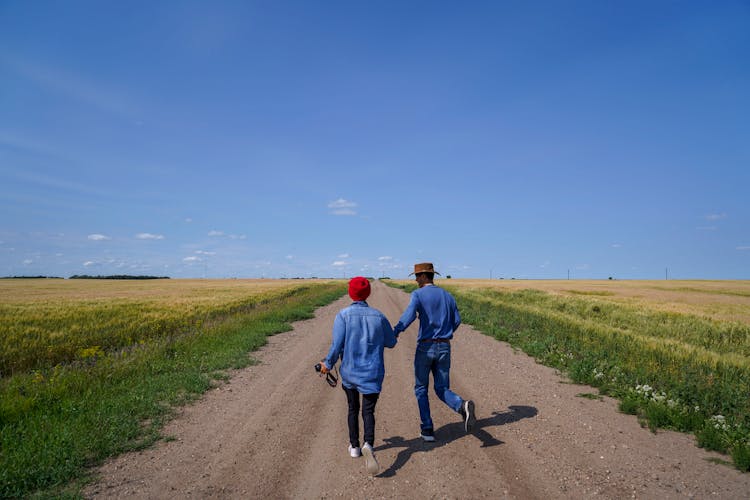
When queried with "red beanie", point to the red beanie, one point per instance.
{"points": [[359, 288]]}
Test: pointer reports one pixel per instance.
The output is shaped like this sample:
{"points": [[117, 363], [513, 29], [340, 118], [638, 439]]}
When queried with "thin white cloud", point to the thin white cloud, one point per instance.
{"points": [[385, 258], [99, 237], [89, 263], [149, 236], [220, 234], [26, 262], [743, 248], [191, 259], [344, 256], [290, 257], [616, 245], [342, 207], [203, 252], [338, 263], [72, 85], [715, 216]]}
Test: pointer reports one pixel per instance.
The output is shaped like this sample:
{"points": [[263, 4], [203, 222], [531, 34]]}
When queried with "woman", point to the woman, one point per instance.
{"points": [[360, 334]]}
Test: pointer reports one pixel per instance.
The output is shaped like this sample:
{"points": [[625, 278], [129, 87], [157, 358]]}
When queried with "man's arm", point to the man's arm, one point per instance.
{"points": [[409, 315], [456, 316]]}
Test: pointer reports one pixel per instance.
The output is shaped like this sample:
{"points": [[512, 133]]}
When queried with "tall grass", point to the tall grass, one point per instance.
{"points": [[59, 420], [674, 370]]}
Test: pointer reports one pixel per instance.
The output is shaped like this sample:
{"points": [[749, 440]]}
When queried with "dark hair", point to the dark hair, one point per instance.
{"points": [[430, 276]]}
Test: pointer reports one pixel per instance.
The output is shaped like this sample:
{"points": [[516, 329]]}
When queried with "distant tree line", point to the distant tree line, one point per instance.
{"points": [[117, 277], [30, 277], [87, 277]]}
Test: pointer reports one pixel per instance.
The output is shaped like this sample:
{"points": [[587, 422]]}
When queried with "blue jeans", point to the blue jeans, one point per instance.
{"points": [[433, 357]]}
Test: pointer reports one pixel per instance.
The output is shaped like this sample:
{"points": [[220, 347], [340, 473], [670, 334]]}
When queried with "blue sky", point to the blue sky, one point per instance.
{"points": [[302, 138]]}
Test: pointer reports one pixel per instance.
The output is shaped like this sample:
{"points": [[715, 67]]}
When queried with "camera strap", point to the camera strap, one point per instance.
{"points": [[331, 378]]}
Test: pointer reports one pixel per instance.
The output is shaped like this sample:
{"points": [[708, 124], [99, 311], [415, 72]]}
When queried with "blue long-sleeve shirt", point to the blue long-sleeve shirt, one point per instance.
{"points": [[360, 334], [438, 313]]}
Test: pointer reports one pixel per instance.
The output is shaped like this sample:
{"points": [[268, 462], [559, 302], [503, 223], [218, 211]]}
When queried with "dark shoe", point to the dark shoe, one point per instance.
{"points": [[467, 411], [428, 435]]}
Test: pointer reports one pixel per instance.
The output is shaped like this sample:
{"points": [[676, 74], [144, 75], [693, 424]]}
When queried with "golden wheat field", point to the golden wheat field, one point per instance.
{"points": [[163, 291], [48, 321], [718, 300]]}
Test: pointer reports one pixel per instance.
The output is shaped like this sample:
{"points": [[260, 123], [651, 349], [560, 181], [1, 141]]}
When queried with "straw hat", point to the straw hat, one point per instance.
{"points": [[424, 267]]}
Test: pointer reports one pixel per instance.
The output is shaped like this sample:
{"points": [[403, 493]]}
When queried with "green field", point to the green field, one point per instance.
{"points": [[91, 368], [675, 353]]}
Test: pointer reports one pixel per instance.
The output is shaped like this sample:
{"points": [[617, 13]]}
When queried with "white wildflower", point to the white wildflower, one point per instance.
{"points": [[720, 422]]}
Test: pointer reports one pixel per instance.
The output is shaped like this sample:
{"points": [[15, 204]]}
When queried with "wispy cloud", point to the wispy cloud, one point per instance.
{"points": [[203, 252], [715, 216], [99, 237], [743, 248], [149, 236], [90, 263], [342, 207], [338, 263], [191, 259], [71, 85], [220, 234], [344, 256], [385, 258], [616, 245]]}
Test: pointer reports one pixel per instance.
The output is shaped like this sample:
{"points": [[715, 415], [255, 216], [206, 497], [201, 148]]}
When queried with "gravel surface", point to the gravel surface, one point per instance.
{"points": [[276, 430]]}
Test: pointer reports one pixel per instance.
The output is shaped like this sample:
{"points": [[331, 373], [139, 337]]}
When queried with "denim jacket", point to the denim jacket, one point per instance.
{"points": [[360, 334]]}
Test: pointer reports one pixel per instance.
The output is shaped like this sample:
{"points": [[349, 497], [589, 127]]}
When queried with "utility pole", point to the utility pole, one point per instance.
{"points": [[666, 273], [568, 274], [490, 274]]}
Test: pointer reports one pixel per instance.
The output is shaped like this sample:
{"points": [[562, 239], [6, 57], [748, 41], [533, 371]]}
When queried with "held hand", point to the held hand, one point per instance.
{"points": [[323, 368]]}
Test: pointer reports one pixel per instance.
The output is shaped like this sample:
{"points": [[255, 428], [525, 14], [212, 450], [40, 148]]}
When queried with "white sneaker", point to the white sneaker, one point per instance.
{"points": [[354, 452], [371, 462], [428, 436]]}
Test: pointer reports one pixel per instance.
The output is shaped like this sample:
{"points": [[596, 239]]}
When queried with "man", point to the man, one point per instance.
{"points": [[438, 319], [360, 334]]}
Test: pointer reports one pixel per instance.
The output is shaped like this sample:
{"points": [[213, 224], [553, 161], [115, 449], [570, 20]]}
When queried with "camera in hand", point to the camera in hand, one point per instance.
{"points": [[317, 368]]}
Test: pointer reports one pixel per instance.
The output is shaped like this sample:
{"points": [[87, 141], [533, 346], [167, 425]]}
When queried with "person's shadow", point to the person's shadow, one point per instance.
{"points": [[449, 433]]}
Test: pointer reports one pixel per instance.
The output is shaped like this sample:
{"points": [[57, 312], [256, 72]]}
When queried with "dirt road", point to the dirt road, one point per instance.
{"points": [[276, 430]]}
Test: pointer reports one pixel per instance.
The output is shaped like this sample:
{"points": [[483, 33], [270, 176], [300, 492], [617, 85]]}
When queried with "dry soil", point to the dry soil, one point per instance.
{"points": [[277, 430]]}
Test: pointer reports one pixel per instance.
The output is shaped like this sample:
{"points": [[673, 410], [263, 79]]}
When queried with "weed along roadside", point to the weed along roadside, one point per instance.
{"points": [[674, 370], [60, 418]]}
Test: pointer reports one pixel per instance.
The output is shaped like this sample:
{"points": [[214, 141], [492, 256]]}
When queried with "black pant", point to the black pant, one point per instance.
{"points": [[368, 415]]}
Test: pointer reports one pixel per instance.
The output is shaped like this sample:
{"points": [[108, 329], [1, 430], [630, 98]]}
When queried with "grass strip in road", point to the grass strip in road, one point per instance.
{"points": [[57, 425], [673, 370]]}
